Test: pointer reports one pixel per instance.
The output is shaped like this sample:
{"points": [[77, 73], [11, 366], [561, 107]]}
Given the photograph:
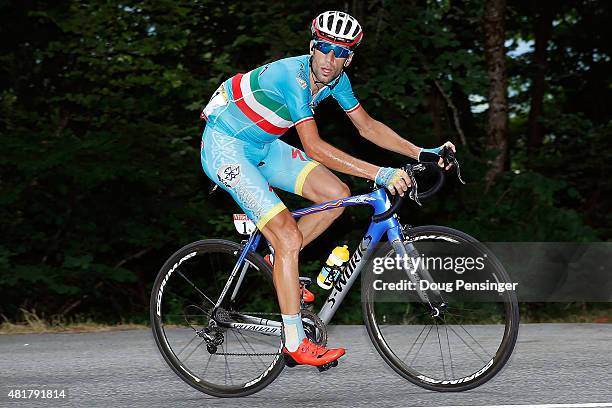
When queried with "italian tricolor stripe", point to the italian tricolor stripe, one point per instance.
{"points": [[270, 115]]}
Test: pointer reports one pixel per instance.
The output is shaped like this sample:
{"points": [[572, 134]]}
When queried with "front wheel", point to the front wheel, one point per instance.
{"points": [[451, 341]]}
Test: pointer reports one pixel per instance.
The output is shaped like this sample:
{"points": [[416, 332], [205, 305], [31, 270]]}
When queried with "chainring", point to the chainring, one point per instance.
{"points": [[315, 329]]}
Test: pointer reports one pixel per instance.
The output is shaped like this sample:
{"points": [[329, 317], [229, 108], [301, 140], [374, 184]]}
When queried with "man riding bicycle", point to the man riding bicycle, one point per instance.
{"points": [[242, 152]]}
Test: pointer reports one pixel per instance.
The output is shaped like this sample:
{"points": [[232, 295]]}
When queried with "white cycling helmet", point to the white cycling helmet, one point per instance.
{"points": [[337, 27]]}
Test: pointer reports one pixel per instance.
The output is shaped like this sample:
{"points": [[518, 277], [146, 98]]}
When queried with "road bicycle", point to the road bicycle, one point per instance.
{"points": [[216, 321]]}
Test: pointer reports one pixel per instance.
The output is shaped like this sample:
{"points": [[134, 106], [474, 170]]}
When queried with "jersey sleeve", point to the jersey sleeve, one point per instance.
{"points": [[343, 93]]}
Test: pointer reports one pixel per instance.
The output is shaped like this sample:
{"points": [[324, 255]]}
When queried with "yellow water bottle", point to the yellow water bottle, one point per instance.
{"points": [[333, 267]]}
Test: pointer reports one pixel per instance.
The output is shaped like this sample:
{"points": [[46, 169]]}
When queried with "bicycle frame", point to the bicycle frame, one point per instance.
{"points": [[379, 201]]}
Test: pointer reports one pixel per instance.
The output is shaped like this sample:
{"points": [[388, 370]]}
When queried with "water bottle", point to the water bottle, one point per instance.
{"points": [[333, 267]]}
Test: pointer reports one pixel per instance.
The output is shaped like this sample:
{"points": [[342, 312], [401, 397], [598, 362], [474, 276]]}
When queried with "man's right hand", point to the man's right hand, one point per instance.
{"points": [[394, 180]]}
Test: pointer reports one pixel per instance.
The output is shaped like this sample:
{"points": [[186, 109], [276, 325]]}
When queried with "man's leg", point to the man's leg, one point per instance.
{"points": [[321, 185], [284, 235], [286, 239]]}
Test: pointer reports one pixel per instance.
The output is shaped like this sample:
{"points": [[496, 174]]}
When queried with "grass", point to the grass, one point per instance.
{"points": [[30, 322]]}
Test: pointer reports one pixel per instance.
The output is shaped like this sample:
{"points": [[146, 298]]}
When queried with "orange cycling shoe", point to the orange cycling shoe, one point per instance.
{"points": [[311, 354]]}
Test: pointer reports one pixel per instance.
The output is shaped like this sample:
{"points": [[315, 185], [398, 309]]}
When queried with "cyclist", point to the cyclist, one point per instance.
{"points": [[242, 153]]}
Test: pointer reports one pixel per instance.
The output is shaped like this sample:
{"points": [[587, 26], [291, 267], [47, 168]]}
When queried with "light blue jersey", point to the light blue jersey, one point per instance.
{"points": [[263, 104], [246, 116]]}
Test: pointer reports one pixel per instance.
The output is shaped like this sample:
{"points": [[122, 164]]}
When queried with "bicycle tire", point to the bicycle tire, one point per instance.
{"points": [[157, 324], [503, 352]]}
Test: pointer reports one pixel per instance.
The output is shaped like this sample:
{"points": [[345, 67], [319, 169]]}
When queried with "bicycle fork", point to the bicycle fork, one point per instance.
{"points": [[406, 250]]}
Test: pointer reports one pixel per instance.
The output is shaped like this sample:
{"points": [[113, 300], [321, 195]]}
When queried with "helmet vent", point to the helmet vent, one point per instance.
{"points": [[338, 26], [349, 24]]}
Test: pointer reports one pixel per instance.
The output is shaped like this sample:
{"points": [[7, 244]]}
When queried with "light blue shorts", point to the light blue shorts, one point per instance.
{"points": [[248, 171]]}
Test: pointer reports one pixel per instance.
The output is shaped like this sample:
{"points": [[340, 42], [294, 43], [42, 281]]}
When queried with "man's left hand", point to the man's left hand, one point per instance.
{"points": [[433, 155]]}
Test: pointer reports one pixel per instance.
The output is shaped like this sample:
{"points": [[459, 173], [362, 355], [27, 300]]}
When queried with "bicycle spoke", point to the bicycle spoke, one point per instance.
{"points": [[225, 350], [207, 363], [187, 345], [258, 338], [470, 347], [475, 341], [193, 351], [415, 341], [450, 355], [195, 287], [421, 346], [441, 355], [252, 349]]}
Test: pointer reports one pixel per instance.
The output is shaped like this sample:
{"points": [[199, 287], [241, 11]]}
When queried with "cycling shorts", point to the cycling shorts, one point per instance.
{"points": [[248, 171]]}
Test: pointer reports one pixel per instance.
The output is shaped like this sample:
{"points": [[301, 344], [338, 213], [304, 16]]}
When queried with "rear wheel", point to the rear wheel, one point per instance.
{"points": [[459, 343], [217, 360]]}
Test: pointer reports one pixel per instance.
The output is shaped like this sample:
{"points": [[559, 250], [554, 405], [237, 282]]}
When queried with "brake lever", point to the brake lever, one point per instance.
{"points": [[414, 188], [456, 163], [449, 158]]}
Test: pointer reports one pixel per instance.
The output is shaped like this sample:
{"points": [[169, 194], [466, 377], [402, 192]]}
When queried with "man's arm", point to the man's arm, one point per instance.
{"points": [[331, 157], [396, 181], [381, 135]]}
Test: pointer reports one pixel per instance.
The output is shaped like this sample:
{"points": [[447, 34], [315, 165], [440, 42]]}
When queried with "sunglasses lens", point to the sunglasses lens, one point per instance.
{"points": [[339, 52]]}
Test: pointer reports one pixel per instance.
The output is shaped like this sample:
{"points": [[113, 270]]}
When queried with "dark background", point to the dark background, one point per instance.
{"points": [[100, 175]]}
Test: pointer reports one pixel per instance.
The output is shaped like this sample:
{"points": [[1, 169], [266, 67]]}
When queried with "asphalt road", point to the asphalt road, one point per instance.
{"points": [[563, 364]]}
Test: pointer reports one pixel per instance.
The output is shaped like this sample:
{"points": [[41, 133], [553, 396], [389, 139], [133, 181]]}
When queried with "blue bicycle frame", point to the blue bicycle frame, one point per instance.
{"points": [[379, 201]]}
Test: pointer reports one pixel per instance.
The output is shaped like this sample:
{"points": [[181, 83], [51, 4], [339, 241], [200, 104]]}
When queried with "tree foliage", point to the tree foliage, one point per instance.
{"points": [[99, 125]]}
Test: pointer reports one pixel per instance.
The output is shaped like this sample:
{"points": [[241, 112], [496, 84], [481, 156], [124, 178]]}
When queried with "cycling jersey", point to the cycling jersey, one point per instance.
{"points": [[262, 104], [245, 117]]}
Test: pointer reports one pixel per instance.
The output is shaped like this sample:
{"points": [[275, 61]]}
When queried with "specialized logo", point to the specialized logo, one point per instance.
{"points": [[229, 174], [257, 328], [360, 199], [297, 152]]}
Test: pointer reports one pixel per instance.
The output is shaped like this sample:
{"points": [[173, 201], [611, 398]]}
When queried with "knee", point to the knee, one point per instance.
{"points": [[344, 190], [338, 191], [289, 238]]}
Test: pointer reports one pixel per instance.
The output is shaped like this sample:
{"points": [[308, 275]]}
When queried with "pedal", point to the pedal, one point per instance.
{"points": [[305, 280], [306, 295], [289, 362], [327, 366]]}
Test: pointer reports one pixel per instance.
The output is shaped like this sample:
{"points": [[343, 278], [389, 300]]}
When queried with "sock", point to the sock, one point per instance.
{"points": [[294, 331]]}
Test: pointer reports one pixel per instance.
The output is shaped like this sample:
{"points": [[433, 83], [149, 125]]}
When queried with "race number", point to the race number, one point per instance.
{"points": [[218, 99], [243, 224]]}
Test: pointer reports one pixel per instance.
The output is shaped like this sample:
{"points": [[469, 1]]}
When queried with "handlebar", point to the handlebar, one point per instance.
{"points": [[449, 158]]}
